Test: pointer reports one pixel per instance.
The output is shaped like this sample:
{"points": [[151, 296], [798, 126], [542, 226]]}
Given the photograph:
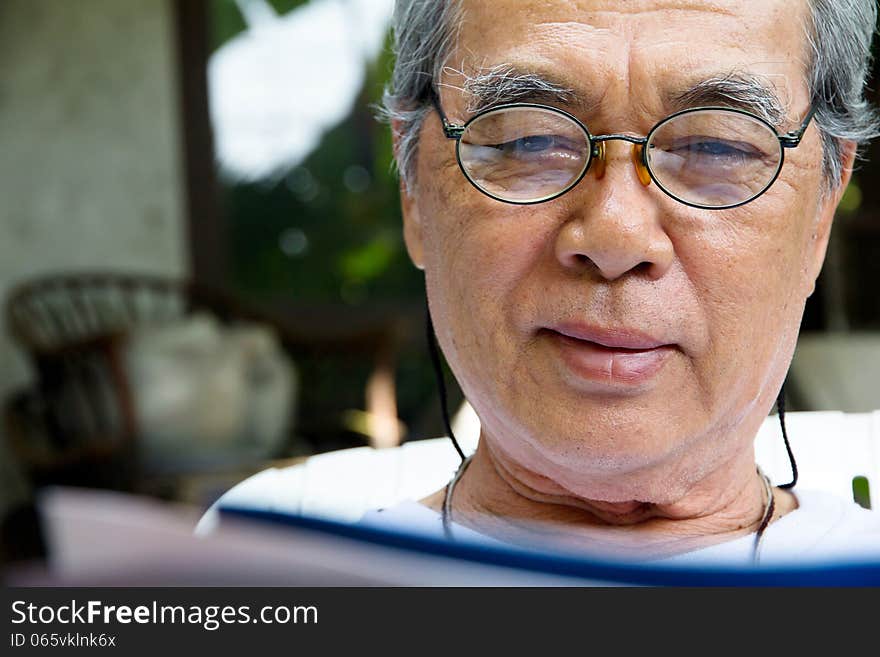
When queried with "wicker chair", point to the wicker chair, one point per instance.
{"points": [[78, 425]]}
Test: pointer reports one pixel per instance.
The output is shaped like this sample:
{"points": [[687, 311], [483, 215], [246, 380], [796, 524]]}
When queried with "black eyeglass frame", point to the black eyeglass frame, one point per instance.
{"points": [[791, 139]]}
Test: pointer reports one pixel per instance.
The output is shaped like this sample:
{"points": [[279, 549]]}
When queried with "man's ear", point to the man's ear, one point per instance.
{"points": [[825, 217], [412, 226], [412, 223]]}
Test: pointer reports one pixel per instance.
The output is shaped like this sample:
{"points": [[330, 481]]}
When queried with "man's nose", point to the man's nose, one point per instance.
{"points": [[614, 224]]}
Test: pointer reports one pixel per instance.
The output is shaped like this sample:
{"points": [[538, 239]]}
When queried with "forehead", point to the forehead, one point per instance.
{"points": [[639, 45]]}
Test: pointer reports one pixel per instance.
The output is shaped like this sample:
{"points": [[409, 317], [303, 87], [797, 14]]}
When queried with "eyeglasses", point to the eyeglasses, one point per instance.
{"points": [[704, 157]]}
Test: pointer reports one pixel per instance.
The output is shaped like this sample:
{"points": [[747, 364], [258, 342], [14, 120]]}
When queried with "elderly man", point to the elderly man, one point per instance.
{"points": [[620, 209]]}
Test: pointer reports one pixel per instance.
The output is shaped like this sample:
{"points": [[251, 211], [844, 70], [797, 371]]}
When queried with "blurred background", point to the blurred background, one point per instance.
{"points": [[202, 267]]}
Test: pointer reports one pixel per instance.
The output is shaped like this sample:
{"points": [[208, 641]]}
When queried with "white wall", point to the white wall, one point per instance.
{"points": [[90, 154]]}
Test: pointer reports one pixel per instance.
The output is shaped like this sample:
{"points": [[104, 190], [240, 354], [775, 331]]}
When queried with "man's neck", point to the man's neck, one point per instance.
{"points": [[505, 500]]}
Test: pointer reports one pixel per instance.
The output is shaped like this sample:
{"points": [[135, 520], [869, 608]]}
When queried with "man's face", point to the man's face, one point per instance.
{"points": [[615, 343]]}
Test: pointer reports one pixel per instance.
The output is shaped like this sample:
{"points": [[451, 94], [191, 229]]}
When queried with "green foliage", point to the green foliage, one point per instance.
{"points": [[852, 198], [227, 21], [329, 233], [367, 262], [861, 492]]}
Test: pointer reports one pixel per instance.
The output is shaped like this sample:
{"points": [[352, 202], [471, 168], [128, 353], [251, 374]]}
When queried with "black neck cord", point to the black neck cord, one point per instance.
{"points": [[780, 407], [434, 351]]}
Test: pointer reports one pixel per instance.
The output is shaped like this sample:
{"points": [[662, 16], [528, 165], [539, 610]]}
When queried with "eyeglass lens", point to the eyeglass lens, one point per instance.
{"points": [[710, 158], [524, 154]]}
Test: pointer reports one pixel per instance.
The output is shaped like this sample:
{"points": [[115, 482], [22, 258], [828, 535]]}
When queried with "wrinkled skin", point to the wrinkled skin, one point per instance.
{"points": [[673, 454]]}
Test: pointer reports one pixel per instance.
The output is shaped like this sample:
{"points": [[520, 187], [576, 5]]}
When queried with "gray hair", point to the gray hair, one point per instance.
{"points": [[425, 33], [839, 34]]}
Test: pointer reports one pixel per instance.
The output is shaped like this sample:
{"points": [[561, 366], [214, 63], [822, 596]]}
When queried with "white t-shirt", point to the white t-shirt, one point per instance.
{"points": [[823, 528]]}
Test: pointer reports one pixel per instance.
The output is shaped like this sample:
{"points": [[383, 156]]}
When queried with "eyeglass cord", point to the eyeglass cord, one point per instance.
{"points": [[780, 409], [434, 351]]}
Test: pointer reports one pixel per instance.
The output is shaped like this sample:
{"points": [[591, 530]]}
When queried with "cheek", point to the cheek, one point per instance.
{"points": [[478, 259], [747, 269]]}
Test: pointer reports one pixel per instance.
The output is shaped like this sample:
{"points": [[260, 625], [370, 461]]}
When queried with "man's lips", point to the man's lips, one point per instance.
{"points": [[609, 356], [613, 338]]}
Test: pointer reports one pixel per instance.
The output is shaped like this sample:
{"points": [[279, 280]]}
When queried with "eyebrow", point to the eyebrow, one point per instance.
{"points": [[506, 83], [738, 90]]}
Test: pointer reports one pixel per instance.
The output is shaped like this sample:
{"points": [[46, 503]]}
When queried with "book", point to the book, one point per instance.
{"points": [[99, 538]]}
